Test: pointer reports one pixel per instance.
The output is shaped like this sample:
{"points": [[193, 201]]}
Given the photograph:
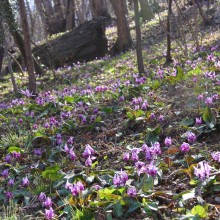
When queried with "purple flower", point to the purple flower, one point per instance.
{"points": [[123, 177], [202, 171], [132, 192], [49, 213], [191, 137], [161, 118], [20, 120], [168, 141], [25, 181], [144, 105], [9, 195], [16, 154], [48, 202], [88, 151], [184, 147], [152, 116], [70, 141], [5, 173], [66, 149], [96, 187], [116, 180], [139, 166], [155, 149], [216, 156], [27, 93], [11, 182], [46, 125], [152, 170], [126, 156], [80, 185], [208, 101], [68, 185], [75, 190], [88, 162], [200, 97], [42, 197], [38, 152], [199, 121], [72, 154]]}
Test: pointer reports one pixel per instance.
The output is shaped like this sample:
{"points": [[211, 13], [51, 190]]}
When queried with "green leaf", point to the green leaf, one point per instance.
{"points": [[117, 210], [98, 119], [199, 210], [52, 173], [207, 115], [69, 99], [14, 149], [180, 75], [134, 206], [130, 115], [147, 183]]}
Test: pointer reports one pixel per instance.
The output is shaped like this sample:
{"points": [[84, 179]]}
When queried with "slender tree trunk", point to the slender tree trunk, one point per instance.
{"points": [[2, 39], [124, 41], [27, 47], [70, 14], [168, 56], [9, 18], [138, 38], [204, 18]]}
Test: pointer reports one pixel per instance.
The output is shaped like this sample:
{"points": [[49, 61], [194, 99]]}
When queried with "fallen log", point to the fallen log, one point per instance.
{"points": [[84, 43]]}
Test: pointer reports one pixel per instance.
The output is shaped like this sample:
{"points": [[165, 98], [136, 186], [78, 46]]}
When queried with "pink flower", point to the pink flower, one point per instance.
{"points": [[132, 192], [168, 141], [126, 156], [48, 202], [25, 181], [184, 147], [88, 151], [49, 213], [199, 121], [202, 171], [191, 137]]}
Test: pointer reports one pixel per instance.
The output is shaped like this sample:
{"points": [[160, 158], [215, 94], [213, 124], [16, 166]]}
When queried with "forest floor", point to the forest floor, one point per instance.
{"points": [[156, 139]]}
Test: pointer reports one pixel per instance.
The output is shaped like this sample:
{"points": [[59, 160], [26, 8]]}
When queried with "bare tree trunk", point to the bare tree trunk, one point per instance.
{"points": [[146, 12], [44, 18], [30, 15], [70, 14], [138, 38], [99, 8], [58, 12], [2, 38], [168, 56], [204, 18], [27, 47], [124, 41], [9, 18]]}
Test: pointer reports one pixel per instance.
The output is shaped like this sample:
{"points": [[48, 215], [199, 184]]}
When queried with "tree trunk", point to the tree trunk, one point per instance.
{"points": [[168, 56], [27, 47], [10, 20], [2, 38], [99, 8], [58, 12], [70, 14], [124, 41], [44, 18], [204, 18], [146, 12], [138, 38]]}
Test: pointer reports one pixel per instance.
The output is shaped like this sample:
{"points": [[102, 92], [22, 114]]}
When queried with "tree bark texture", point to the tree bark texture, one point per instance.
{"points": [[168, 55], [138, 38], [27, 46], [84, 43], [124, 41], [70, 14]]}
